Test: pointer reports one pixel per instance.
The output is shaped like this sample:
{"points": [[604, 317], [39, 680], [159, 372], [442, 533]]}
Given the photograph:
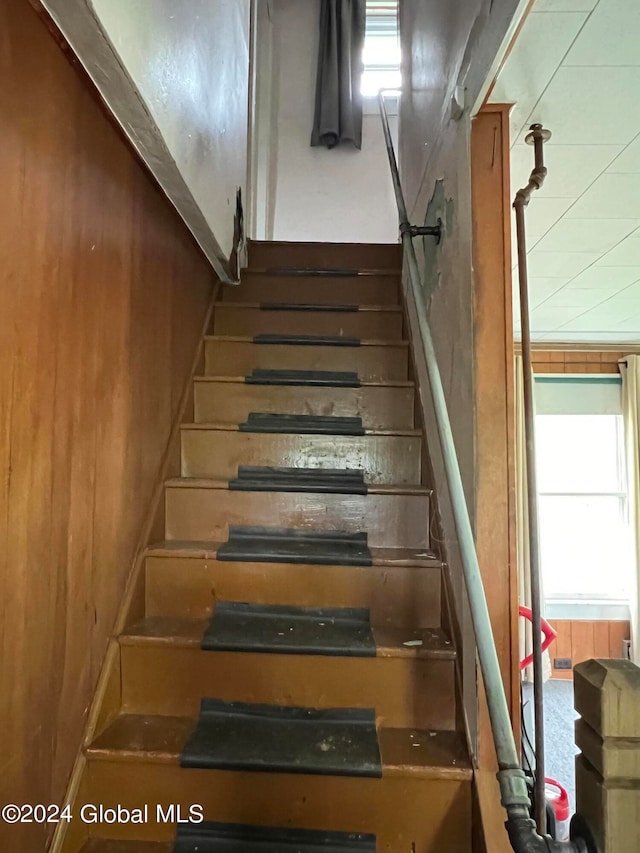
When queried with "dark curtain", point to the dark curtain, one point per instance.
{"points": [[338, 115]]}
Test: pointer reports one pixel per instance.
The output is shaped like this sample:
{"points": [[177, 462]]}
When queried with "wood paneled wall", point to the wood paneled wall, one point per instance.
{"points": [[582, 639], [102, 299], [577, 361]]}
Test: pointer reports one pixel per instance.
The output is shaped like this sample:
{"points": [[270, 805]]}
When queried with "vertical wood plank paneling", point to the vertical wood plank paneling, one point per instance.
{"points": [[102, 298], [561, 648], [578, 361], [618, 631], [601, 639], [580, 639]]}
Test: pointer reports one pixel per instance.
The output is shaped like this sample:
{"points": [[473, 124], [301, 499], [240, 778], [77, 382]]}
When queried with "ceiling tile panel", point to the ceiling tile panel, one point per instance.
{"points": [[625, 254], [584, 235], [541, 215], [612, 279], [572, 168], [541, 289], [611, 196], [529, 69], [548, 319], [631, 325], [590, 321], [573, 298], [565, 5], [576, 69], [560, 264], [598, 106], [610, 36], [629, 159]]}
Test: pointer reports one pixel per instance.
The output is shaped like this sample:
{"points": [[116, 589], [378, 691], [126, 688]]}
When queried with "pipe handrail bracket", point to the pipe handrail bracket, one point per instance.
{"points": [[513, 784]]}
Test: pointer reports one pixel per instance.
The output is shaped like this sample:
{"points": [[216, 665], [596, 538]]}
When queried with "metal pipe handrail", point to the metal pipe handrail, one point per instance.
{"points": [[537, 137], [511, 777]]}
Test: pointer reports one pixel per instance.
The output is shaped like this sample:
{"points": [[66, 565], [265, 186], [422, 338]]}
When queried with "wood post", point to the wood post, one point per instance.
{"points": [[607, 697]]}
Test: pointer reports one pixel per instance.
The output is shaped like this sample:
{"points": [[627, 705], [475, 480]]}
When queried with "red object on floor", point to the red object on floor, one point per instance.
{"points": [[559, 802], [549, 635]]}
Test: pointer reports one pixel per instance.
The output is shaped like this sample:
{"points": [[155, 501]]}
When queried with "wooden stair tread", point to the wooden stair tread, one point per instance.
{"points": [[403, 344], [222, 427], [401, 557], [373, 488], [404, 752], [390, 641]]}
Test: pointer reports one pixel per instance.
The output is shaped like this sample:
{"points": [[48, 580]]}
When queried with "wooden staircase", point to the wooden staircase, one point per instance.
{"points": [[242, 606]]}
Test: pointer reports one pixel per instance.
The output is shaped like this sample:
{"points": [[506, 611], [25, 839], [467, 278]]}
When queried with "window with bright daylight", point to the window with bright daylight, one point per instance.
{"points": [[381, 48], [584, 521]]}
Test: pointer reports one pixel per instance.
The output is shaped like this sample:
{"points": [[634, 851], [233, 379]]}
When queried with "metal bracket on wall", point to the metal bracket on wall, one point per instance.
{"points": [[423, 230]]}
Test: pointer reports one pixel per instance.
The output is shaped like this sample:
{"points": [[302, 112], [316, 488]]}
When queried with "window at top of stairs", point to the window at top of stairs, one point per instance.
{"points": [[381, 48]]}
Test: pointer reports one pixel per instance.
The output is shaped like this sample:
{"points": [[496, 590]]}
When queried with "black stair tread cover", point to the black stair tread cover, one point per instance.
{"points": [[308, 306], [337, 272], [307, 340], [331, 631], [272, 738], [307, 424], [240, 838], [283, 545], [327, 378], [319, 480]]}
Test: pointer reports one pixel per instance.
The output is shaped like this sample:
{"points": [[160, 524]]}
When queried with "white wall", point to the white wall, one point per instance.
{"points": [[189, 60], [342, 195]]}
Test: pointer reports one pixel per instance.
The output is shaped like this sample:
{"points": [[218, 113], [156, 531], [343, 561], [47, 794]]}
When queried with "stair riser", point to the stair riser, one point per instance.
{"points": [[362, 290], [217, 454], [187, 587], [371, 363], [230, 402], [364, 325], [406, 692], [392, 521], [358, 256], [434, 815]]}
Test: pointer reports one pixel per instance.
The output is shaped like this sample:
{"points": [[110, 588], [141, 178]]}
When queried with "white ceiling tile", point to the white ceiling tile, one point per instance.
{"points": [[541, 214], [606, 278], [631, 324], [572, 168], [589, 321], [564, 5], [573, 298], [547, 320], [611, 196], [631, 292], [629, 159], [610, 36], [542, 288], [529, 69], [559, 264], [599, 105], [625, 254], [586, 235]]}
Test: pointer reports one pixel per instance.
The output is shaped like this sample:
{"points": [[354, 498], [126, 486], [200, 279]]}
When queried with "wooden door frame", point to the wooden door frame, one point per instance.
{"points": [[494, 401]]}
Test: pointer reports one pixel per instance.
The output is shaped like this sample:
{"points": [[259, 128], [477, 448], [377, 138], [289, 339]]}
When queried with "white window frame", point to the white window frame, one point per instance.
{"points": [[381, 10], [587, 605]]}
